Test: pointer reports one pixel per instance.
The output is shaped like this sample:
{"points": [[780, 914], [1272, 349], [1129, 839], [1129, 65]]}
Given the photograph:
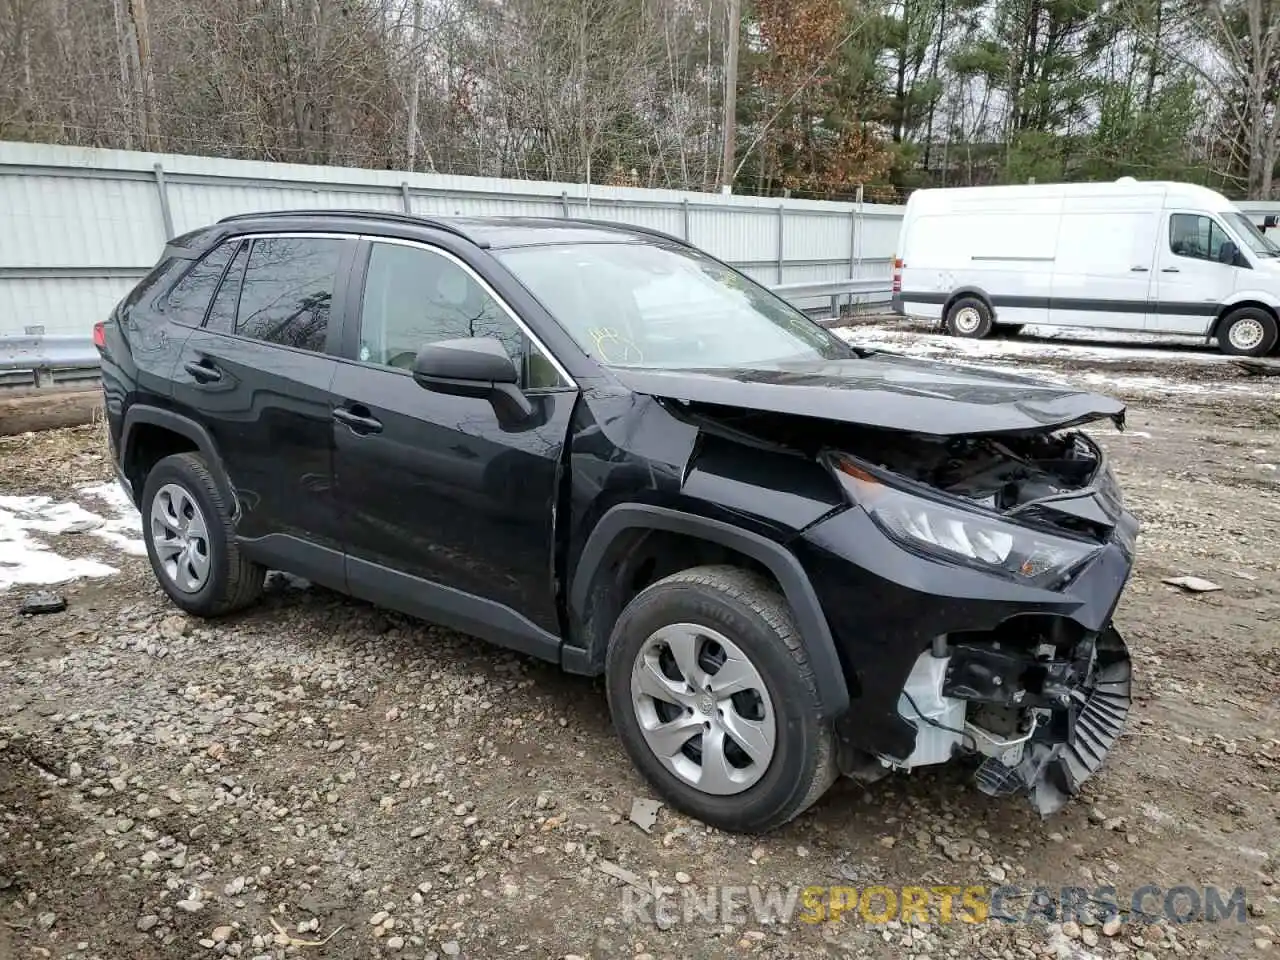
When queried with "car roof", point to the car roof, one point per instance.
{"points": [[489, 232]]}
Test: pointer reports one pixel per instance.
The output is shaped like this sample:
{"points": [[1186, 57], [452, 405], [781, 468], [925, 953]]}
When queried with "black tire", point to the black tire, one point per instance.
{"points": [[969, 317], [749, 610], [234, 582], [1247, 332]]}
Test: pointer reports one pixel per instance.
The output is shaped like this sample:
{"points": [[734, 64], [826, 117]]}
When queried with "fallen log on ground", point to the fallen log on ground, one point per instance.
{"points": [[25, 410]]}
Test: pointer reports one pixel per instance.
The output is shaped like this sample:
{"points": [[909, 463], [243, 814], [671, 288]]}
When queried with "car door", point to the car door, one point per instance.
{"points": [[1191, 282], [448, 512], [257, 373]]}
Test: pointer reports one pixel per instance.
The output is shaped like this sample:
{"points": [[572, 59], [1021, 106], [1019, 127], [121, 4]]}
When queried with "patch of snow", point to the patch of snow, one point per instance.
{"points": [[916, 341], [1029, 356], [25, 560], [123, 530]]}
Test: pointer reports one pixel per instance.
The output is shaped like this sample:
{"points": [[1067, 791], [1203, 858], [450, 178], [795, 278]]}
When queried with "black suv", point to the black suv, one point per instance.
{"points": [[790, 558]]}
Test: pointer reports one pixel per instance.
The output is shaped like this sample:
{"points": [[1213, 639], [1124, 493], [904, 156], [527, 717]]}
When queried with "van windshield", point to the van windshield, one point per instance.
{"points": [[1252, 236]]}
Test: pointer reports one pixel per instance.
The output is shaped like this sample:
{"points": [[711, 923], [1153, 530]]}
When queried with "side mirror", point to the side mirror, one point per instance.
{"points": [[1229, 253], [473, 367]]}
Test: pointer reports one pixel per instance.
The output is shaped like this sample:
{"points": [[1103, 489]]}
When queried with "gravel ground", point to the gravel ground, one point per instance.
{"points": [[320, 778]]}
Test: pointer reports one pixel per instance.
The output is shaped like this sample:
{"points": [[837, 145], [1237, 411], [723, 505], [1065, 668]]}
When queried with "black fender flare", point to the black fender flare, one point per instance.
{"points": [[184, 426], [815, 634]]}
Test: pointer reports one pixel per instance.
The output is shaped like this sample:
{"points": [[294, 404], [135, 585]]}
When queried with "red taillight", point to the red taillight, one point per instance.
{"points": [[897, 275], [99, 334]]}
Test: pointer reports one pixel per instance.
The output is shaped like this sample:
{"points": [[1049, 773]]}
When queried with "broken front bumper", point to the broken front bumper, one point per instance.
{"points": [[1054, 766], [887, 607]]}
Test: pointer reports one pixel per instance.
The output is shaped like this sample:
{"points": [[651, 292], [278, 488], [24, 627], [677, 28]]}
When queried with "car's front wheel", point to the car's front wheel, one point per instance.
{"points": [[188, 531], [714, 699]]}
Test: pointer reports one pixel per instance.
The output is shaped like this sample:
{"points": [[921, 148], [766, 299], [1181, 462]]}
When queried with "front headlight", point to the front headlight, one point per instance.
{"points": [[960, 535]]}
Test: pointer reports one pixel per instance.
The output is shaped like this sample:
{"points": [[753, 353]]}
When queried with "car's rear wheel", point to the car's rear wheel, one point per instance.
{"points": [[714, 699], [969, 317], [1248, 332], [188, 531]]}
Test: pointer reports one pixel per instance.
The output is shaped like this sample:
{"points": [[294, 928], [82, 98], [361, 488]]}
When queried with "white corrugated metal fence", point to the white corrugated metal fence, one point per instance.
{"points": [[79, 226]]}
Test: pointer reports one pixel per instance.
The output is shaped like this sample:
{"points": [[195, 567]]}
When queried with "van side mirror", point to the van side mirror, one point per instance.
{"points": [[473, 367], [1229, 254]]}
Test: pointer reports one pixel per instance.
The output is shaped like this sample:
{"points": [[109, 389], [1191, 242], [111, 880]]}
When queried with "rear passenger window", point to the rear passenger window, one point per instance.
{"points": [[188, 300], [222, 314], [287, 291]]}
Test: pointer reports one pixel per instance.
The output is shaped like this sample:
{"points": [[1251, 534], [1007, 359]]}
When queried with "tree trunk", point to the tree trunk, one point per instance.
{"points": [[415, 89], [729, 157], [144, 82]]}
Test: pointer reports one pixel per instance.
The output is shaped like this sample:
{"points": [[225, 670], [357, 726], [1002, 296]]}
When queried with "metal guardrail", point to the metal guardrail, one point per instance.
{"points": [[43, 359], [878, 291]]}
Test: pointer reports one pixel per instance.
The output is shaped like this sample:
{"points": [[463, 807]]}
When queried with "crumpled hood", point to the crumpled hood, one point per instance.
{"points": [[887, 391]]}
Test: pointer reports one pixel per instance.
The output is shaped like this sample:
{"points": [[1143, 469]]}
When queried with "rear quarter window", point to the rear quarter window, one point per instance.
{"points": [[188, 301], [157, 278]]}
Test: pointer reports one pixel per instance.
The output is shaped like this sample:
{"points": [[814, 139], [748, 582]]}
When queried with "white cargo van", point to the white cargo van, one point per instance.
{"points": [[1129, 255]]}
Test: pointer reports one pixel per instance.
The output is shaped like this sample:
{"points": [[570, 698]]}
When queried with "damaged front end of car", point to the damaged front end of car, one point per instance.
{"points": [[1040, 696], [968, 562]]}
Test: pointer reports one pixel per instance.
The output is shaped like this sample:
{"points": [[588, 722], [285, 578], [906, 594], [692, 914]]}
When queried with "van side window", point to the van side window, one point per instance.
{"points": [[1191, 235]]}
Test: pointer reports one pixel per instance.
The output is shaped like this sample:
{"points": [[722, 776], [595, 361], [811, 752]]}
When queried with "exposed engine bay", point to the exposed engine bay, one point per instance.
{"points": [[1047, 477]]}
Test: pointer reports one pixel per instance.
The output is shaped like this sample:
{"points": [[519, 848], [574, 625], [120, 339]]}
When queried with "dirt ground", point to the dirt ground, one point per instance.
{"points": [[318, 778]]}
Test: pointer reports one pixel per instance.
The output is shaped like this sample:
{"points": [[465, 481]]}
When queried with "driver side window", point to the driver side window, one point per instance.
{"points": [[414, 296], [1198, 237]]}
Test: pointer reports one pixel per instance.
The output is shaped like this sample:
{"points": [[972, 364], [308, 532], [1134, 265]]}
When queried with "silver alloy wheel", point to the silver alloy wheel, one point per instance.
{"points": [[703, 708], [180, 537], [1246, 334], [968, 320]]}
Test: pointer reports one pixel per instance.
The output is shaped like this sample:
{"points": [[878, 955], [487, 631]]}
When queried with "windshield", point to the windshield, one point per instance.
{"points": [[1252, 236], [642, 305]]}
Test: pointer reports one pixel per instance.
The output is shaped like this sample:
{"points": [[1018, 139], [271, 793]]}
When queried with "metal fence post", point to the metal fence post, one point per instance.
{"points": [[684, 218], [41, 376], [853, 250], [405, 200], [564, 204], [165, 213], [859, 225], [781, 224]]}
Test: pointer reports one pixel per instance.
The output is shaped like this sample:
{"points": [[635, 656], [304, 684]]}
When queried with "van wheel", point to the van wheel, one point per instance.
{"points": [[715, 701], [969, 317], [1248, 332]]}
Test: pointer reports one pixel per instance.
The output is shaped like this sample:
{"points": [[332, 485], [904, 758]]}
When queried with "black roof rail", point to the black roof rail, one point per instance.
{"points": [[384, 215], [627, 228]]}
